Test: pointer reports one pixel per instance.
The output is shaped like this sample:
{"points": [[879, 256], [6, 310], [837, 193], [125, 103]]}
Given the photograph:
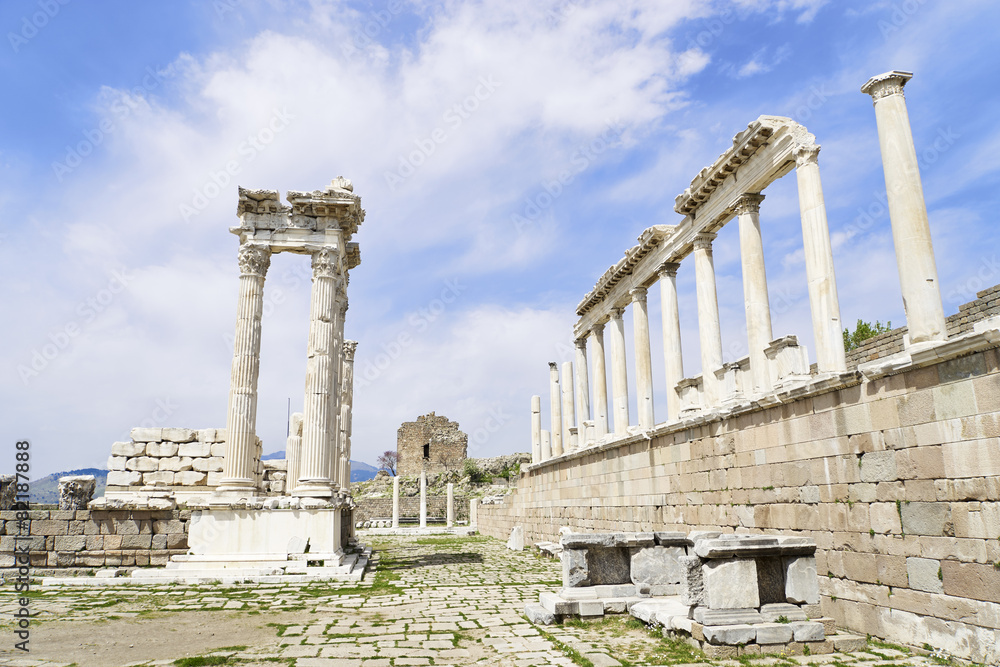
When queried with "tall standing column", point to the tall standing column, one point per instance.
{"points": [[293, 452], [395, 501], [346, 408], [709, 332], [600, 384], [582, 387], [619, 371], [333, 439], [555, 409], [473, 511], [823, 301], [318, 419], [672, 359], [568, 409], [536, 429], [423, 498], [241, 416], [546, 446], [758, 307], [911, 232], [643, 361], [451, 504]]}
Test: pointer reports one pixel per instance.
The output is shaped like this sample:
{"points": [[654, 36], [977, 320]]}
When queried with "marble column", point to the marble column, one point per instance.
{"points": [[709, 332], [546, 444], [346, 408], [474, 512], [911, 232], [600, 384], [293, 452], [673, 361], [423, 498], [758, 307], [536, 429], [241, 416], [582, 386], [333, 440], [451, 504], [555, 409], [643, 361], [568, 408], [395, 501], [318, 419], [619, 371], [823, 301]]}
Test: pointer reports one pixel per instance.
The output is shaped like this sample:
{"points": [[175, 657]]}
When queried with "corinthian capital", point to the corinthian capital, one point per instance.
{"points": [[638, 294], [703, 241], [350, 347], [254, 259], [748, 203], [884, 85], [325, 263], [806, 154]]}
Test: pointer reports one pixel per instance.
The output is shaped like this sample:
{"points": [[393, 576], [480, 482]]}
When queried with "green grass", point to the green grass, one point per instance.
{"points": [[203, 661]]}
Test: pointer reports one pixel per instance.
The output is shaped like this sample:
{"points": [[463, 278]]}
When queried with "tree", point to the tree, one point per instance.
{"points": [[862, 332], [388, 462]]}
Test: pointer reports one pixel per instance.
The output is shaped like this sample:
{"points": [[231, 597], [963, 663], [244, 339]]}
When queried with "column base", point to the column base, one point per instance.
{"points": [[314, 488], [237, 486]]}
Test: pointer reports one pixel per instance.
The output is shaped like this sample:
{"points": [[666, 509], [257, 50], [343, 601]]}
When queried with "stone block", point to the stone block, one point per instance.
{"points": [[772, 612], [112, 542], [147, 434], [142, 464], [128, 449], [664, 539], [608, 566], [163, 477], [731, 584], [177, 541], [706, 616], [770, 580], [161, 449], [556, 605], [774, 633], [516, 540], [720, 652], [730, 635], [70, 542], [925, 518], [185, 463], [846, 643], [801, 582], [75, 492], [173, 464], [538, 614], [808, 631], [49, 527], [179, 434], [575, 572], [137, 541], [158, 542], [214, 478], [124, 478], [587, 540], [692, 583], [590, 608], [971, 580], [190, 478], [200, 465], [195, 449], [116, 462], [878, 466], [925, 574], [218, 449], [656, 566], [612, 590], [215, 464]]}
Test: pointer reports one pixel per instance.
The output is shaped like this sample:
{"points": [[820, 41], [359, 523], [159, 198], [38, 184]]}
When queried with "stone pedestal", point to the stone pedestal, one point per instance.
{"points": [[600, 384], [911, 233], [673, 361], [474, 512]]}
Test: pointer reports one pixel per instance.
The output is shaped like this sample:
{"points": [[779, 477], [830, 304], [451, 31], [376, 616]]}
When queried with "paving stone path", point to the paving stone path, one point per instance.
{"points": [[433, 601]]}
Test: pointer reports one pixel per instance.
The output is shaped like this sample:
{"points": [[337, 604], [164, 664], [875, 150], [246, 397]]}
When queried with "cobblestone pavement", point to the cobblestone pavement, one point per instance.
{"points": [[433, 601]]}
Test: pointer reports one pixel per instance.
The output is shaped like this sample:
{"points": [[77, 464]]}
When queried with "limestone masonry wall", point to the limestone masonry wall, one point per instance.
{"points": [[97, 538], [409, 507], [897, 479], [447, 445]]}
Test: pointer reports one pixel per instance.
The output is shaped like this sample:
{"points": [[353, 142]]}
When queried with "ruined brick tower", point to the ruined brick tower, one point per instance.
{"points": [[431, 443]]}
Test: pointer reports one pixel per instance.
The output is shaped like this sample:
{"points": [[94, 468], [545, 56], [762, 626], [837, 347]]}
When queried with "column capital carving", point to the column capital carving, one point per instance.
{"points": [[806, 154], [638, 294], [326, 263], [668, 269], [617, 313], [748, 202], [254, 259], [581, 343], [350, 347], [884, 85], [553, 366], [703, 241], [598, 329]]}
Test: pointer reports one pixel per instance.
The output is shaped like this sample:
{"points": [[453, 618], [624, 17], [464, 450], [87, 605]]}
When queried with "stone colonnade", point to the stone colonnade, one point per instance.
{"points": [[764, 153], [450, 518]]}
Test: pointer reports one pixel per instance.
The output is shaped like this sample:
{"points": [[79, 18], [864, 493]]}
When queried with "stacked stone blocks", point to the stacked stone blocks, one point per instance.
{"points": [[447, 446]]}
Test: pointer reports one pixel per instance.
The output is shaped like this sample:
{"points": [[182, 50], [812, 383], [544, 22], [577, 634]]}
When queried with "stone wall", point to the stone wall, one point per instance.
{"points": [[97, 538], [986, 305], [409, 507], [446, 445], [896, 478]]}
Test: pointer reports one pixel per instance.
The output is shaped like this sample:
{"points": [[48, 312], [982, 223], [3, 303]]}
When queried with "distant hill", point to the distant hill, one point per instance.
{"points": [[360, 472], [45, 491]]}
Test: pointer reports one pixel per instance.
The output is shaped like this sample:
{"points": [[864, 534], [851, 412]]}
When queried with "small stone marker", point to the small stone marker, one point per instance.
{"points": [[516, 540]]}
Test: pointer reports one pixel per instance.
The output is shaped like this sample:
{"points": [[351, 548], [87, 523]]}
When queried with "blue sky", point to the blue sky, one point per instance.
{"points": [[121, 118]]}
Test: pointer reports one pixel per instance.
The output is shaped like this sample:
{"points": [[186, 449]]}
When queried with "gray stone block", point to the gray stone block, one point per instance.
{"points": [[730, 584], [730, 635], [770, 580], [729, 546], [692, 583], [801, 582], [926, 518], [774, 633], [586, 540], [656, 565], [878, 466], [707, 616], [575, 572], [556, 605], [772, 612], [538, 614], [590, 608], [614, 590], [808, 632], [924, 574], [671, 539], [608, 566]]}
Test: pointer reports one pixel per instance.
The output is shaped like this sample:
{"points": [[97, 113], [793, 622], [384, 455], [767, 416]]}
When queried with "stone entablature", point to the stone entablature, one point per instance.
{"points": [[431, 444]]}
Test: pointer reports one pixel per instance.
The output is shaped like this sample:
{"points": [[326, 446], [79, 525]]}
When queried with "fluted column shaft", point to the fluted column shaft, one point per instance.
{"points": [[546, 446], [824, 303], [241, 415], [536, 429], [709, 332], [293, 452], [582, 388], [619, 371], [333, 440], [600, 384], [758, 307], [911, 231], [672, 359], [555, 409], [346, 411], [568, 407], [643, 360], [319, 416]]}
